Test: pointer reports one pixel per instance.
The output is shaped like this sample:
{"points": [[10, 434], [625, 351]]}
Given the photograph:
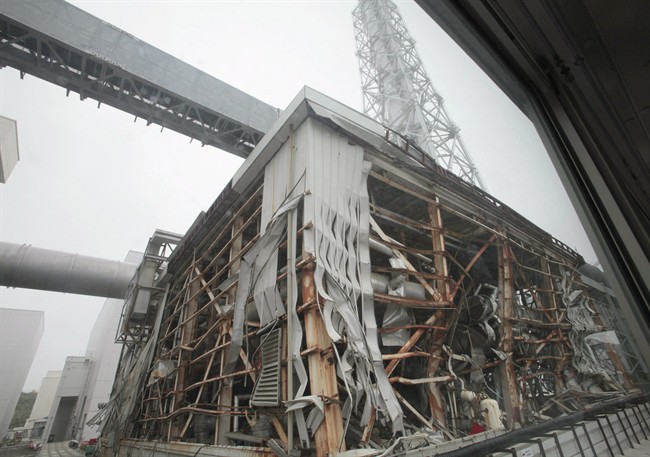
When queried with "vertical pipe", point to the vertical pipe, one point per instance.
{"points": [[237, 402], [291, 273]]}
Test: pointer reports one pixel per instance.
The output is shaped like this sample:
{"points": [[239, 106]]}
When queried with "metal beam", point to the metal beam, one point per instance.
{"points": [[507, 369], [66, 46]]}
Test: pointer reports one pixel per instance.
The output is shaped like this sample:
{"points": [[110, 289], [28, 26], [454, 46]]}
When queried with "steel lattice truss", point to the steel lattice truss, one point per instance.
{"points": [[398, 92], [60, 43]]}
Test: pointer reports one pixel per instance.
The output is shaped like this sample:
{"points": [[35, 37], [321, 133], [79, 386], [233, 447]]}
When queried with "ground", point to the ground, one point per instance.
{"points": [[48, 450], [19, 450]]}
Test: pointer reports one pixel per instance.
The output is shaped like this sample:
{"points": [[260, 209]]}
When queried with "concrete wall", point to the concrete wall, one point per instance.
{"points": [[20, 334], [43, 404]]}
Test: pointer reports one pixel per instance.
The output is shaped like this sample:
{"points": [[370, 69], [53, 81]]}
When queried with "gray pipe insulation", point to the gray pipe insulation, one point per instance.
{"points": [[381, 284], [28, 267]]}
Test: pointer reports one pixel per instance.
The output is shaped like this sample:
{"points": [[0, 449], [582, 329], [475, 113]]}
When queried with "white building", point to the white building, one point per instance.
{"points": [[8, 147], [43, 404], [87, 381], [105, 354], [69, 400], [20, 335]]}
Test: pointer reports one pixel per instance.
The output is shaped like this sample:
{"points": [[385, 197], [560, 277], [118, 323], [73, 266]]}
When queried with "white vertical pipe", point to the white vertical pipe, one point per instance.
{"points": [[291, 273]]}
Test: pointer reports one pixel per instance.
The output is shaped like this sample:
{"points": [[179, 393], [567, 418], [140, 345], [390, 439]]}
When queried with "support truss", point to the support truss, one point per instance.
{"points": [[61, 44]]}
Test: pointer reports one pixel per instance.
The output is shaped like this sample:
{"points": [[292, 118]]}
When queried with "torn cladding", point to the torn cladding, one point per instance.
{"points": [[344, 291]]}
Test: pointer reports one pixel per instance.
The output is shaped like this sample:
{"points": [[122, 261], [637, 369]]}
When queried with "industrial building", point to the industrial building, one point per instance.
{"points": [[344, 290], [20, 335], [353, 290], [9, 155], [37, 420], [105, 353], [69, 399], [84, 386]]}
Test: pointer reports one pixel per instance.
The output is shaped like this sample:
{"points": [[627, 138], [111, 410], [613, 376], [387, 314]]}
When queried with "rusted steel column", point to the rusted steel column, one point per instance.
{"points": [[507, 370], [439, 259], [184, 356], [322, 370], [224, 400], [444, 294], [549, 286]]}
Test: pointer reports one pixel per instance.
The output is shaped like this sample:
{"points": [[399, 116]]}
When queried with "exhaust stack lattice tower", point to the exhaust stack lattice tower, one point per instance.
{"points": [[397, 91]]}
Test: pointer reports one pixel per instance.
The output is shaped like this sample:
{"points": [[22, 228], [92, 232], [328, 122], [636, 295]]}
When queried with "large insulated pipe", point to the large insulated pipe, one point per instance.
{"points": [[28, 267]]}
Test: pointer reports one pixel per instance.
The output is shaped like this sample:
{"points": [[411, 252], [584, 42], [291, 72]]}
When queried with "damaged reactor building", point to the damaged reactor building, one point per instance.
{"points": [[344, 290], [353, 291]]}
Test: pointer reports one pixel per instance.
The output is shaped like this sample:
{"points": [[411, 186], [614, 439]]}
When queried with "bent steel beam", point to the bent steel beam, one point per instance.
{"points": [[28, 267]]}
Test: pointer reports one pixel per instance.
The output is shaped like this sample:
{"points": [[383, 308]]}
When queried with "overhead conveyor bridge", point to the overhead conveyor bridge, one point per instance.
{"points": [[60, 43]]}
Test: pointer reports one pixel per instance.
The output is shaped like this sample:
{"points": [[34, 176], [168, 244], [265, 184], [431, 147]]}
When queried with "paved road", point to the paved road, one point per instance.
{"points": [[59, 450], [641, 450], [20, 450], [48, 450]]}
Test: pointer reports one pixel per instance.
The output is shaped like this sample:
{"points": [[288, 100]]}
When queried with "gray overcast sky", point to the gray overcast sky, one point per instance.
{"points": [[94, 182]]}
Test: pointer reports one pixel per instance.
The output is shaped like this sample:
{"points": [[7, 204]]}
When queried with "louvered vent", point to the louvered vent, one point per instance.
{"points": [[267, 387]]}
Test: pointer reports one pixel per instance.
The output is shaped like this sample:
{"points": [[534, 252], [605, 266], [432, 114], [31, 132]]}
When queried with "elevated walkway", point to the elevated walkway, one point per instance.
{"points": [[60, 43]]}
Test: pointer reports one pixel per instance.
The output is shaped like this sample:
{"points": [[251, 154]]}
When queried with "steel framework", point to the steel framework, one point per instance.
{"points": [[347, 296], [60, 43], [398, 92]]}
